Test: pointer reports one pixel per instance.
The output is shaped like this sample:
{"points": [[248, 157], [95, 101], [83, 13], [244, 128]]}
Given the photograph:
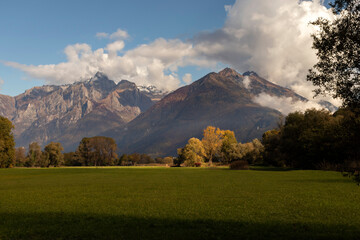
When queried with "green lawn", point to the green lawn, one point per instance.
{"points": [[177, 203]]}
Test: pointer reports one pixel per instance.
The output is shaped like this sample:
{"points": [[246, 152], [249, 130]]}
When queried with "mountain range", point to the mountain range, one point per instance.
{"points": [[143, 119]]}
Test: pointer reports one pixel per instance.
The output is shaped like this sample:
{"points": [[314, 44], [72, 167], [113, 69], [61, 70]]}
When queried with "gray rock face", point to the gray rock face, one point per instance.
{"points": [[7, 106], [68, 113]]}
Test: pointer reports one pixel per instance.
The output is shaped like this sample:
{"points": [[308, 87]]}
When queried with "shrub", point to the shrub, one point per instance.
{"points": [[239, 165], [198, 164]]}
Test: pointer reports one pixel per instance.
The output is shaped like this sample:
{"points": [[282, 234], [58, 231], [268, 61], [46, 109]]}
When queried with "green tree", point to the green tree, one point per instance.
{"points": [[124, 160], [34, 155], [273, 155], [7, 144], [83, 152], [71, 159], [53, 153], [338, 50], [97, 151]]}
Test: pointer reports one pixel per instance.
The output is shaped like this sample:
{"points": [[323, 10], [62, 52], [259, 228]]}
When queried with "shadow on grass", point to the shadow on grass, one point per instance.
{"points": [[273, 169], [92, 226]]}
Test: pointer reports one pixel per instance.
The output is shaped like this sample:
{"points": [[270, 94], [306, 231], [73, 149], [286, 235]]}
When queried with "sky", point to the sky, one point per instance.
{"points": [[165, 43]]}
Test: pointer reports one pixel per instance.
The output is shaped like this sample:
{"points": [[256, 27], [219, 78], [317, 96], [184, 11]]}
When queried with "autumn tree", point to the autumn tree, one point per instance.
{"points": [[229, 148], [34, 155], [338, 50], [192, 153], [212, 142], [7, 144], [251, 152], [53, 153]]}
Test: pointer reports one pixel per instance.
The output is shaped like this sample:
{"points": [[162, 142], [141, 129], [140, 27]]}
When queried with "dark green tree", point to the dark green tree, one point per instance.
{"points": [[7, 143], [53, 152], [97, 151], [273, 155], [338, 50]]}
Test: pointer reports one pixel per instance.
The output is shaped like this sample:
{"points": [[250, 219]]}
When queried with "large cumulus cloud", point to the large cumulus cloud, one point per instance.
{"points": [[272, 38]]}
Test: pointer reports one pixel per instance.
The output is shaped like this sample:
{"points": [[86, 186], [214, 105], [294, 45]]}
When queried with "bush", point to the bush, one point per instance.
{"points": [[239, 165], [198, 164]]}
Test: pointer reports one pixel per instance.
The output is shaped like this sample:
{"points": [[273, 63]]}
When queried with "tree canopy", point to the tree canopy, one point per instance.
{"points": [[97, 151], [338, 50], [7, 144]]}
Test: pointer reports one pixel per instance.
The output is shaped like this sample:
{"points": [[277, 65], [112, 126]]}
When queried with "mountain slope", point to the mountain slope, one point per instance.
{"points": [[218, 99], [70, 112]]}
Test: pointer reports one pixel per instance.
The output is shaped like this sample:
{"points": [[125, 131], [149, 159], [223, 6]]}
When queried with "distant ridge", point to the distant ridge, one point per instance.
{"points": [[218, 99], [144, 119]]}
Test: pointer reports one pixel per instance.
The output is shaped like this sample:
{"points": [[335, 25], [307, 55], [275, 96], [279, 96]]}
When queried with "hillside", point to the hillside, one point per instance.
{"points": [[218, 99]]}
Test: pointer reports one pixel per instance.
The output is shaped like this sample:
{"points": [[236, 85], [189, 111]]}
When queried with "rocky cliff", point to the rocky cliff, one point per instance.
{"points": [[70, 112]]}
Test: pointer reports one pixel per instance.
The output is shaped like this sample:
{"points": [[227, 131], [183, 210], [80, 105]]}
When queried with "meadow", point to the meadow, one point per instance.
{"points": [[177, 203]]}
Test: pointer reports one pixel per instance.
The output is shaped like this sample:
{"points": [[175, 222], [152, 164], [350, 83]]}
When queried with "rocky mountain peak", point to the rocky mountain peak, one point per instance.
{"points": [[101, 82], [123, 84], [250, 73], [227, 72], [99, 76]]}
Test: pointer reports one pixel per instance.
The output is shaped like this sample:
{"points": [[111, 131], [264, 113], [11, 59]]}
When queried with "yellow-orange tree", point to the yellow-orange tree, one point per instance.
{"points": [[212, 142]]}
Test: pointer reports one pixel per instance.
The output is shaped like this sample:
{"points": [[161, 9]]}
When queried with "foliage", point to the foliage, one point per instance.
{"points": [[273, 155], [71, 159], [192, 153], [212, 142], [97, 151], [338, 51], [239, 165], [251, 152], [53, 155], [7, 144], [165, 160], [34, 155], [315, 139], [229, 148], [20, 156], [221, 145], [135, 159]]}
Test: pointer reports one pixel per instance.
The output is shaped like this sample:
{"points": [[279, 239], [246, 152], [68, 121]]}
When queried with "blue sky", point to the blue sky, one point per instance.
{"points": [[35, 33]]}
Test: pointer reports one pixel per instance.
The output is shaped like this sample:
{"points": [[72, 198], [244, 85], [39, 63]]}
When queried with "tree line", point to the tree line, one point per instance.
{"points": [[93, 151], [219, 146], [315, 139]]}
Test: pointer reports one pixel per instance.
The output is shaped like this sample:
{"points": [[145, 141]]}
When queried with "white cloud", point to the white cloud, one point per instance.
{"points": [[246, 82], [149, 64], [114, 47], [187, 78], [102, 35], [269, 37], [119, 35], [285, 105], [272, 38]]}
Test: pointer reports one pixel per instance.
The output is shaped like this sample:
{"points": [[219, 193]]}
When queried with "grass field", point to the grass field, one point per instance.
{"points": [[177, 203]]}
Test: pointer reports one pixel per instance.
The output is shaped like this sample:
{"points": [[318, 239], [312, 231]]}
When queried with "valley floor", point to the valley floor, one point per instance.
{"points": [[177, 203]]}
